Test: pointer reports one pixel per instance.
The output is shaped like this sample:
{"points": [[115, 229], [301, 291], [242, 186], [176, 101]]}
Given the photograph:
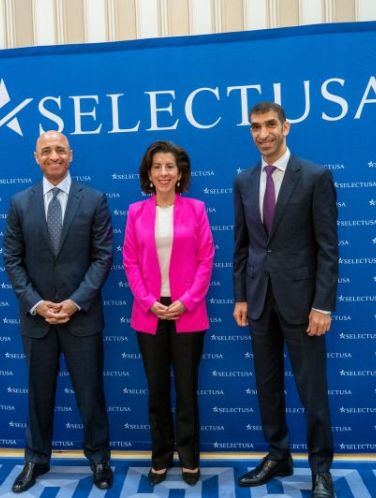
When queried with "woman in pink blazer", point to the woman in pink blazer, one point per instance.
{"points": [[168, 257]]}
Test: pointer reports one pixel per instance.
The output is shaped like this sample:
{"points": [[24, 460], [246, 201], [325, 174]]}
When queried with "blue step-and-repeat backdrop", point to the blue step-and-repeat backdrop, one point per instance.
{"points": [[112, 100]]}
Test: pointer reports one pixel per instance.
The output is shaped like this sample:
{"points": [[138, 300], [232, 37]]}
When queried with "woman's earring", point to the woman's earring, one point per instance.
{"points": [[178, 184], [151, 185]]}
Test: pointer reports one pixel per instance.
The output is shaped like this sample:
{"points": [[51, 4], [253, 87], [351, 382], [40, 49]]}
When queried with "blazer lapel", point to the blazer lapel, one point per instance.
{"points": [[148, 220], [289, 182]]}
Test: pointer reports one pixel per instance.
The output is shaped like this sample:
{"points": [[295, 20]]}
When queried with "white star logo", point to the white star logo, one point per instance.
{"points": [[9, 119]]}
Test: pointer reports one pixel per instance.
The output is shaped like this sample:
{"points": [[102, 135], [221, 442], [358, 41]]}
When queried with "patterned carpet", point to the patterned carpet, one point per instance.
{"points": [[71, 477]]}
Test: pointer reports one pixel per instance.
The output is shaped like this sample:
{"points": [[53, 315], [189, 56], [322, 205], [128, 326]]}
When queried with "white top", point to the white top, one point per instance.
{"points": [[163, 240]]}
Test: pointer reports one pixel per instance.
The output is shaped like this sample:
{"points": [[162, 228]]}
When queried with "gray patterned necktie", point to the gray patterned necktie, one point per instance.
{"points": [[54, 220]]}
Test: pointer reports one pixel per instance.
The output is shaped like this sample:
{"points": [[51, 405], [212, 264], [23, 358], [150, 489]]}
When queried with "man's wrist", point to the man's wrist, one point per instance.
{"points": [[325, 312], [33, 310]]}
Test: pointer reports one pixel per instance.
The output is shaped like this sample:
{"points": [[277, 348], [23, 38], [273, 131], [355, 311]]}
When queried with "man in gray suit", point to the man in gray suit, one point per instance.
{"points": [[285, 278], [57, 253]]}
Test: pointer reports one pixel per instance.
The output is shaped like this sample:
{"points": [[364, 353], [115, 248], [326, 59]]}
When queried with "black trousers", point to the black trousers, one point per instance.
{"points": [[308, 361], [183, 353], [84, 359]]}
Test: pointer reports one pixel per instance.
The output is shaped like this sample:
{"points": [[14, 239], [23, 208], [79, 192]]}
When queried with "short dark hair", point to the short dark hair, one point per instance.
{"points": [[262, 107], [182, 161]]}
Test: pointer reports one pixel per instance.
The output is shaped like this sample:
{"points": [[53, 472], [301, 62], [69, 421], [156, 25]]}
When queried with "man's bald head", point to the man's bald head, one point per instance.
{"points": [[53, 154]]}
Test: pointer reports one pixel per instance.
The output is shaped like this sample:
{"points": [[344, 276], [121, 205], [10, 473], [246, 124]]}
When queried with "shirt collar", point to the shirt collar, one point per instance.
{"points": [[280, 163], [64, 185]]}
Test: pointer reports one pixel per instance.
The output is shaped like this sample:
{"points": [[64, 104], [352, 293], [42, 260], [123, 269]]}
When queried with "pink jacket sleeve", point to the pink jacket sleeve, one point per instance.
{"points": [[204, 256]]}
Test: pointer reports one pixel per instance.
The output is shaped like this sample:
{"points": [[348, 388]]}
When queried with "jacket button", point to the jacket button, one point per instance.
{"points": [[269, 251]]}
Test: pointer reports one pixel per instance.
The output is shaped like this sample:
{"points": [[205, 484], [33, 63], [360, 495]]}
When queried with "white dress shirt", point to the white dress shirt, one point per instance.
{"points": [[64, 187], [278, 174]]}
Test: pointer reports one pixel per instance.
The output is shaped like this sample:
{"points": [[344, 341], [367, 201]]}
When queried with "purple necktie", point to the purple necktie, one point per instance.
{"points": [[269, 198]]}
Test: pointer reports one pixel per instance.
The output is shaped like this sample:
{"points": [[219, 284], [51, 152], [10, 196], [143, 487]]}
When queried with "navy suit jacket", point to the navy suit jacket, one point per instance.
{"points": [[79, 269], [300, 256]]}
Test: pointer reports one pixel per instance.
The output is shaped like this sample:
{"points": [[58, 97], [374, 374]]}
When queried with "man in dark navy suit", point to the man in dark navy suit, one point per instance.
{"points": [[57, 253], [285, 279]]}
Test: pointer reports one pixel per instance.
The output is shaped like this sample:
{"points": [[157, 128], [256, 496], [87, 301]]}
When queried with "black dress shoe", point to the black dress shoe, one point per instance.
{"points": [[322, 485], [102, 475], [28, 476], [191, 478], [155, 478], [266, 470]]}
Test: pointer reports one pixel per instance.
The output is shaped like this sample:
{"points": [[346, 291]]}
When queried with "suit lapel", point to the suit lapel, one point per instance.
{"points": [[289, 182], [253, 203], [37, 205], [74, 200], [254, 192]]}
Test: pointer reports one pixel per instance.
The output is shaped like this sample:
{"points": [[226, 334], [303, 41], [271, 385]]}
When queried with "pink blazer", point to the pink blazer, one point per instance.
{"points": [[191, 263]]}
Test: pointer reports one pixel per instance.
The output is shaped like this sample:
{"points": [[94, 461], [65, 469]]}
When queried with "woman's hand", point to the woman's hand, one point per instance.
{"points": [[159, 310], [175, 309]]}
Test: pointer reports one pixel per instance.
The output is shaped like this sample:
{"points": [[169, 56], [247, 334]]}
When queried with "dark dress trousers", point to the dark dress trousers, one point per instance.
{"points": [[282, 277], [182, 352], [77, 272]]}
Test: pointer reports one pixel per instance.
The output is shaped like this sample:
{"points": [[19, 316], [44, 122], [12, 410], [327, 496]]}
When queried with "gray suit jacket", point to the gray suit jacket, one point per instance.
{"points": [[300, 256], [77, 272]]}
